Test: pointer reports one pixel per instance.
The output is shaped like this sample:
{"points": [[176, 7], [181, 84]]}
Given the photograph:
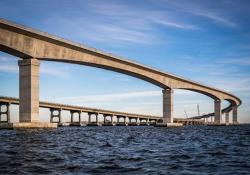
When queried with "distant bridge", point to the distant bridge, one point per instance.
{"points": [[56, 112], [33, 46]]}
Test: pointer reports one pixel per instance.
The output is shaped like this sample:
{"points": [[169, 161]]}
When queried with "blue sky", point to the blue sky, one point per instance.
{"points": [[206, 41]]}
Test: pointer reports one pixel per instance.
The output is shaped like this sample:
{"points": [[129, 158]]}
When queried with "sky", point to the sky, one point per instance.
{"points": [[205, 41]]}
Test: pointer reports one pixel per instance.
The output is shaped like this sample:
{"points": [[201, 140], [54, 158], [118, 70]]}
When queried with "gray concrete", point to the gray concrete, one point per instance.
{"points": [[4, 112], [108, 123], [90, 123], [29, 90], [217, 111], [34, 125], [119, 123], [26, 125], [235, 114], [227, 118], [169, 124], [72, 116], [6, 125], [167, 106], [55, 113]]}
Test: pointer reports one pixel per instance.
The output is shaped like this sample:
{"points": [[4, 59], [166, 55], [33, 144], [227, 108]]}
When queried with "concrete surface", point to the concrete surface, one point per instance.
{"points": [[168, 125], [25, 125]]}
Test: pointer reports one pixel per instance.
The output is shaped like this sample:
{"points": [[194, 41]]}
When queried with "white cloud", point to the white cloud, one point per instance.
{"points": [[108, 97], [3, 59], [115, 23], [9, 66], [215, 17], [215, 14], [176, 25], [116, 97], [119, 33], [236, 61]]}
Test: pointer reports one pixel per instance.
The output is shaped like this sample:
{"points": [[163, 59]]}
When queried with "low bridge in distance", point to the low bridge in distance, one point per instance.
{"points": [[122, 118]]}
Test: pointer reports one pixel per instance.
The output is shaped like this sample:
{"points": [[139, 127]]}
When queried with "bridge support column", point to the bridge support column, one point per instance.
{"points": [[119, 123], [53, 115], [107, 122], [29, 95], [104, 119], [217, 111], [111, 117], [129, 120], [79, 116], [227, 118], [6, 113], [29, 90], [71, 116], [167, 106], [89, 120], [72, 123], [96, 118], [90, 123], [235, 113]]}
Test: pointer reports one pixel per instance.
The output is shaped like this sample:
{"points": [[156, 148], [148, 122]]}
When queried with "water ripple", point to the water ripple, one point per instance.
{"points": [[126, 150]]}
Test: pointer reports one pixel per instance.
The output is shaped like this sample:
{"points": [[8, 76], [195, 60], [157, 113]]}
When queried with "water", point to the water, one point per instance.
{"points": [[126, 150]]}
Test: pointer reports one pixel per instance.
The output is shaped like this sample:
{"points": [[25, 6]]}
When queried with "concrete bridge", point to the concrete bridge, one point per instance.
{"points": [[56, 112], [122, 118], [211, 115], [33, 46]]}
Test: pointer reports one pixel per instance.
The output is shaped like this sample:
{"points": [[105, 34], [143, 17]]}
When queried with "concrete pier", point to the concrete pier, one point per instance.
{"points": [[167, 106], [27, 125], [119, 123], [168, 124], [235, 113], [72, 122], [90, 123], [55, 113], [29, 95], [227, 118], [143, 122], [5, 112], [108, 123], [217, 111], [132, 121], [168, 119], [29, 90]]}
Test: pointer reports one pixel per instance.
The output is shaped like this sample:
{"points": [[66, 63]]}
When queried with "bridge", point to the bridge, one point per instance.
{"points": [[32, 46], [56, 111], [122, 118]]}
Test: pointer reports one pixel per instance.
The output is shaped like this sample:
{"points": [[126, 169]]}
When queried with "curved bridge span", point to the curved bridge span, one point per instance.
{"points": [[33, 46]]}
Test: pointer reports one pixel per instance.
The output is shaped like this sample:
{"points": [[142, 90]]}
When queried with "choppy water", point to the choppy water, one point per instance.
{"points": [[126, 150]]}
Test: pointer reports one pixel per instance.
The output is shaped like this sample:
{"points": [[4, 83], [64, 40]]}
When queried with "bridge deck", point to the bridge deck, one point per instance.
{"points": [[49, 105], [43, 104]]}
